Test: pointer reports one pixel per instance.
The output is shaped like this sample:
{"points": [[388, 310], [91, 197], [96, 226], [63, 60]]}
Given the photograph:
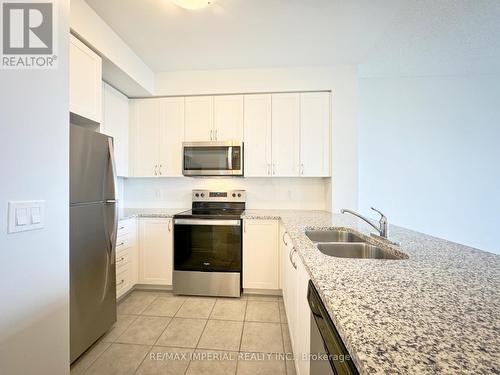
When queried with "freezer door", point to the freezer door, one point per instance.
{"points": [[92, 274], [91, 166]]}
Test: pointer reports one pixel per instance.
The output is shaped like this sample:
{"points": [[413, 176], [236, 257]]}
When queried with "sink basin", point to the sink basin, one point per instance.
{"points": [[332, 236], [356, 250]]}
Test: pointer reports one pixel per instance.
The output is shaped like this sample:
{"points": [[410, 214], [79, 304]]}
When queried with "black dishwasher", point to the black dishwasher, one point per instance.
{"points": [[326, 341]]}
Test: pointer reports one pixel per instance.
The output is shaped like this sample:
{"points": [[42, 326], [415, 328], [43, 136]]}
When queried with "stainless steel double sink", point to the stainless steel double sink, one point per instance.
{"points": [[343, 244]]}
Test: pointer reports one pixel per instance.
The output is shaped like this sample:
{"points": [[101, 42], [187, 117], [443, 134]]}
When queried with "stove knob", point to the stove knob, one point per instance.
{"points": [[234, 195], [197, 195], [202, 195], [239, 195]]}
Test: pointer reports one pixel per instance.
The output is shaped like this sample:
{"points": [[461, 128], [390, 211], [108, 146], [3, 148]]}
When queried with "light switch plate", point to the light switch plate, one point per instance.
{"points": [[25, 216]]}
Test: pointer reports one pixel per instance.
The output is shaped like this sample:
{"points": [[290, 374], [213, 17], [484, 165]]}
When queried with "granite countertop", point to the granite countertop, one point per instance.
{"points": [[127, 213], [436, 312]]}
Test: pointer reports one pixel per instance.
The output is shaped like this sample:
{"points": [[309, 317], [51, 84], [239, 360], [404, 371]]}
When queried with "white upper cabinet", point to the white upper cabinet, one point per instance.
{"points": [[171, 137], [257, 135], [261, 254], [145, 131], [315, 134], [199, 120], [158, 130], [285, 134], [116, 124], [228, 117], [85, 81]]}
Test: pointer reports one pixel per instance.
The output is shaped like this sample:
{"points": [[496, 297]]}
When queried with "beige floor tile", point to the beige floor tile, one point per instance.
{"points": [[145, 330], [119, 359], [262, 311], [261, 364], [165, 306], [165, 361], [196, 307], [221, 335], [136, 303], [86, 360], [229, 309], [121, 324], [213, 362], [261, 297], [182, 332], [262, 337], [287, 344]]}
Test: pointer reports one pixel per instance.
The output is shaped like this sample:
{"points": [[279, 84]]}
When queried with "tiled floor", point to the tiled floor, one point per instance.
{"points": [[159, 333]]}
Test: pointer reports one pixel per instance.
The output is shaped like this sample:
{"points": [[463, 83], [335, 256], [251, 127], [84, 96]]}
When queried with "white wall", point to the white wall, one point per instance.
{"points": [[430, 155], [34, 271], [341, 80], [265, 193]]}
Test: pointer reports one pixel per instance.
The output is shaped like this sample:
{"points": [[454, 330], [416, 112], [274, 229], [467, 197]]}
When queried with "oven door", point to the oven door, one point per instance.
{"points": [[213, 158], [207, 245]]}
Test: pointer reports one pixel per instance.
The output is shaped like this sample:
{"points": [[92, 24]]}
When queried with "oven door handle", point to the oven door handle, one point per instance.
{"points": [[232, 223]]}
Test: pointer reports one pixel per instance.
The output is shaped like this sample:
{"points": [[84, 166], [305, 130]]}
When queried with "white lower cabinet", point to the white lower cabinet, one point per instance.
{"points": [[260, 254], [126, 256], [155, 251], [303, 316], [294, 284]]}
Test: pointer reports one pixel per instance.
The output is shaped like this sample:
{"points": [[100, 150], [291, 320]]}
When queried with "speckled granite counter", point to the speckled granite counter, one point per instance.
{"points": [[436, 312], [127, 213]]}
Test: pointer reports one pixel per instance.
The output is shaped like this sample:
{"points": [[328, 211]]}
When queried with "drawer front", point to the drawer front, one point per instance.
{"points": [[122, 243], [122, 259], [123, 281]]}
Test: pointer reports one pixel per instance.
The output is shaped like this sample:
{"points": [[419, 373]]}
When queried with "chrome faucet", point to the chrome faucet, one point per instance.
{"points": [[381, 229]]}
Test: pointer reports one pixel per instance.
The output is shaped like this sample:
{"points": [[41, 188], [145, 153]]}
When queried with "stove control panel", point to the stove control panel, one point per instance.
{"points": [[219, 196]]}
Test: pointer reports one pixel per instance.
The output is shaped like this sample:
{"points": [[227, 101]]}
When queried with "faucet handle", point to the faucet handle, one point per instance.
{"points": [[383, 218]]}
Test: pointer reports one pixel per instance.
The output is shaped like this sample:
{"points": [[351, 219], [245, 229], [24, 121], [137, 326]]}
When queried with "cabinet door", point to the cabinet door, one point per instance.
{"points": [[315, 134], [228, 117], [199, 121], [145, 133], [285, 134], [260, 254], [257, 135], [155, 249], [303, 330], [171, 137], [116, 124], [85, 76]]}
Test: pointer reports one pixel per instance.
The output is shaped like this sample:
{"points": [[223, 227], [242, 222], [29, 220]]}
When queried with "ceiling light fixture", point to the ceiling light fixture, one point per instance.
{"points": [[193, 4]]}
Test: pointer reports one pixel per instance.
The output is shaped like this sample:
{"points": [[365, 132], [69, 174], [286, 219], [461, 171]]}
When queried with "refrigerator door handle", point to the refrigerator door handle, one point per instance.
{"points": [[113, 164]]}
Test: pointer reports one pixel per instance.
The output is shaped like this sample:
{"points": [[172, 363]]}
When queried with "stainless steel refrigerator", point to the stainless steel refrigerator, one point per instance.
{"points": [[93, 226]]}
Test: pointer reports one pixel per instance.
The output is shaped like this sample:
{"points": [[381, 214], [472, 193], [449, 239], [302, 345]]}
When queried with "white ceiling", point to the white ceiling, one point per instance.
{"points": [[377, 34]]}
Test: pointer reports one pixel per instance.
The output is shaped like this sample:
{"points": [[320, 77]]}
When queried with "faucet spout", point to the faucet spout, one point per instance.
{"points": [[382, 228]]}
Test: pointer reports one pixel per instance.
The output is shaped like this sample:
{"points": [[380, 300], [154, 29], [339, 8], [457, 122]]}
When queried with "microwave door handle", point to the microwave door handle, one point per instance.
{"points": [[230, 158]]}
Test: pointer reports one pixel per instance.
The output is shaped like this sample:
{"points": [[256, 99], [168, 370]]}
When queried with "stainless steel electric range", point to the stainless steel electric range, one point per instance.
{"points": [[208, 245]]}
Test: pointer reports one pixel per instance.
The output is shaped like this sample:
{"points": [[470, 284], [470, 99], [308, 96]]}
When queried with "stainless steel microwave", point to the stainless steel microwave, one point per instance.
{"points": [[212, 158]]}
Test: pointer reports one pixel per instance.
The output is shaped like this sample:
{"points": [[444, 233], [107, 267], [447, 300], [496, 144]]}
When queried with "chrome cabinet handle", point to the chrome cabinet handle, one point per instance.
{"points": [[170, 225], [215, 134], [268, 168], [211, 135], [121, 228], [120, 260], [156, 172], [284, 239], [121, 243], [302, 168], [121, 282], [159, 170], [274, 169], [290, 256]]}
